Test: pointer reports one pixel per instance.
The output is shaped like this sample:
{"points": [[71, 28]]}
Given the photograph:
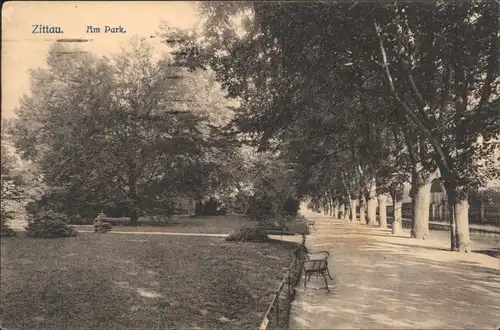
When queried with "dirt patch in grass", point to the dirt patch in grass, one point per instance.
{"points": [[118, 281]]}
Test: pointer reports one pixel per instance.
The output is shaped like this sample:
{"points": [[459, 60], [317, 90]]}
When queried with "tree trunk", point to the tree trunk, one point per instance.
{"points": [[132, 192], [413, 193], [448, 213], [461, 212], [372, 203], [341, 211], [362, 204], [382, 211], [332, 207], [397, 204], [346, 213], [198, 207], [481, 210], [441, 207], [336, 209], [353, 209], [453, 227], [432, 216], [421, 205], [459, 209], [134, 217], [192, 208]]}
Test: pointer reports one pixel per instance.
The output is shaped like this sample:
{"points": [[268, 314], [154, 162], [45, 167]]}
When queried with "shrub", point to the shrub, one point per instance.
{"points": [[303, 221], [6, 231], [9, 193], [291, 206], [49, 224], [261, 208], [247, 235], [155, 220], [210, 207], [300, 217], [279, 221]]}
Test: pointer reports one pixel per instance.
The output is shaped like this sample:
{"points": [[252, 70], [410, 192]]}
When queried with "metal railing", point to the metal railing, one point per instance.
{"points": [[278, 313]]}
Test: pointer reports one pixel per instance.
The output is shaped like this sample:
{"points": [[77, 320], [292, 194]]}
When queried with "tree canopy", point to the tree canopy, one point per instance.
{"points": [[122, 131], [362, 92]]}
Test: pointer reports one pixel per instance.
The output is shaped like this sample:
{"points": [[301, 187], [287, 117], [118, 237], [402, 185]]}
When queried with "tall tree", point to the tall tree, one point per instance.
{"points": [[437, 63], [104, 130]]}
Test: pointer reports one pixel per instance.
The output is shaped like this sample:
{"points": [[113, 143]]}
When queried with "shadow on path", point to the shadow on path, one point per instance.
{"points": [[392, 282]]}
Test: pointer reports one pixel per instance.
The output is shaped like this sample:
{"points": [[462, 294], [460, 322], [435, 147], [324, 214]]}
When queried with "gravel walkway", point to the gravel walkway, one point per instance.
{"points": [[386, 282]]}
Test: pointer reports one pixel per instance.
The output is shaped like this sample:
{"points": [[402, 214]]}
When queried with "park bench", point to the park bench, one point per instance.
{"points": [[314, 263], [100, 223], [102, 227], [311, 224]]}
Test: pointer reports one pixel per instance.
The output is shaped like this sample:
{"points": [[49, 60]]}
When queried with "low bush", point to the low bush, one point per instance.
{"points": [[240, 202], [155, 220], [6, 216], [261, 208], [302, 220], [291, 206], [48, 224], [247, 235], [6, 231], [296, 224], [300, 217]]}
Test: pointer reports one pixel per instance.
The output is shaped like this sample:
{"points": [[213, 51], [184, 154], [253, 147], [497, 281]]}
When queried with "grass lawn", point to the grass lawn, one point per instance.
{"points": [[185, 224], [207, 225], [140, 281]]}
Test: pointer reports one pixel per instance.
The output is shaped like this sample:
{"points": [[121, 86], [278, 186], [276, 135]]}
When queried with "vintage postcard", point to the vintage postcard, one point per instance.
{"points": [[244, 165]]}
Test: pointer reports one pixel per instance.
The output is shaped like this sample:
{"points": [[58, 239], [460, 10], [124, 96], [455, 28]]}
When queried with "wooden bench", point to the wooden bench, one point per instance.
{"points": [[100, 224], [311, 224], [314, 263]]}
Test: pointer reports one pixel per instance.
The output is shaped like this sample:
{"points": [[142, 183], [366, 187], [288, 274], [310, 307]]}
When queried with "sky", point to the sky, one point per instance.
{"points": [[23, 50]]}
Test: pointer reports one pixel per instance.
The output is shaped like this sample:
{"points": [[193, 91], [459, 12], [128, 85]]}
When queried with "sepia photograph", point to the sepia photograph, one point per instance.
{"points": [[250, 165]]}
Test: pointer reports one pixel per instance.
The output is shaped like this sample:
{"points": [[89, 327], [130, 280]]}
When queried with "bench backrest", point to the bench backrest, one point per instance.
{"points": [[315, 265]]}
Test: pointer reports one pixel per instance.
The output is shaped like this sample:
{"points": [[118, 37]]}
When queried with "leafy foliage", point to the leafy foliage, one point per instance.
{"points": [[49, 224], [12, 191], [6, 231], [275, 189], [247, 235], [329, 83], [124, 134], [291, 206], [261, 208]]}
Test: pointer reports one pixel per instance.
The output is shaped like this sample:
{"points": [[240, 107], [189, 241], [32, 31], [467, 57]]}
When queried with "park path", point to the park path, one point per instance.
{"points": [[158, 233], [385, 282]]}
